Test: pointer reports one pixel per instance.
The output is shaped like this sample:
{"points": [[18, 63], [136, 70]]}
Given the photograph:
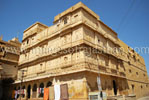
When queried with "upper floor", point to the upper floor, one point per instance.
{"points": [[9, 57], [10, 51], [77, 26], [76, 15]]}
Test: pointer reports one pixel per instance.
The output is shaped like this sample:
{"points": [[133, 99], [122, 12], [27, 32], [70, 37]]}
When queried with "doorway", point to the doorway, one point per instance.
{"points": [[29, 91], [132, 88], [114, 87], [49, 84]]}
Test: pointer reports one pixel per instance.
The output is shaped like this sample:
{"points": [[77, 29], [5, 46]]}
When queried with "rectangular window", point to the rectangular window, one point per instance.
{"points": [[136, 73], [129, 70], [65, 20], [107, 62], [76, 15], [133, 87], [144, 74], [99, 41]]}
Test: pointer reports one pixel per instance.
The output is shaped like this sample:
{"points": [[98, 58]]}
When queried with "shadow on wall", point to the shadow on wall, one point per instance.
{"points": [[6, 89], [111, 85]]}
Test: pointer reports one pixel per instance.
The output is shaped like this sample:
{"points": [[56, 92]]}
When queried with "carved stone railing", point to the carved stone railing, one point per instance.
{"points": [[53, 31], [74, 67], [9, 60]]}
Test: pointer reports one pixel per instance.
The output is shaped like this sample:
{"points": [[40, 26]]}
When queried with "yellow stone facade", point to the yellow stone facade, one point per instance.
{"points": [[9, 56], [77, 49]]}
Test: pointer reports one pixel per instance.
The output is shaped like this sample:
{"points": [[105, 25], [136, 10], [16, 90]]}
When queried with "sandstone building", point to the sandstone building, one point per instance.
{"points": [[9, 56], [75, 50]]}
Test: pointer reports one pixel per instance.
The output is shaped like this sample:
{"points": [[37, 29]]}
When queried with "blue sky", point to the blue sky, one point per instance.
{"points": [[129, 18]]}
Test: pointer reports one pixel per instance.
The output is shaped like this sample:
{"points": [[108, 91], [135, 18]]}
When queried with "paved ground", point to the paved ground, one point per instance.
{"points": [[144, 98]]}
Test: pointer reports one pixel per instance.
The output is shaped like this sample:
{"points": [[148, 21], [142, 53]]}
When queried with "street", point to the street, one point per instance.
{"points": [[144, 98]]}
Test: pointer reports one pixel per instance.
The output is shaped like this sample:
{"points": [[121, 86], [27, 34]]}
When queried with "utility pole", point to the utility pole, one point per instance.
{"points": [[98, 78], [22, 73]]}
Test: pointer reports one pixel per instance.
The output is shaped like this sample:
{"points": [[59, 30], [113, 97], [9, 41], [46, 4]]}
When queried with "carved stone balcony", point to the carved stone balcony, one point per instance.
{"points": [[114, 71], [1, 54]]}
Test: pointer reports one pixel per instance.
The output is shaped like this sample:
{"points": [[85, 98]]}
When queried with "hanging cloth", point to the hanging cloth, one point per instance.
{"points": [[13, 94], [42, 90], [46, 94], [64, 92], [57, 92], [39, 90], [16, 94]]}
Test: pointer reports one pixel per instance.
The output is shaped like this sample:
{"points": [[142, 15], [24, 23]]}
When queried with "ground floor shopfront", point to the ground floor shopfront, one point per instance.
{"points": [[76, 86]]}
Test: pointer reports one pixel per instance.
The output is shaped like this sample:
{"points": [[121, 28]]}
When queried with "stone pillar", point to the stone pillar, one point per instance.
{"points": [[85, 88], [45, 84], [31, 92], [25, 92], [118, 91], [37, 90], [109, 64]]}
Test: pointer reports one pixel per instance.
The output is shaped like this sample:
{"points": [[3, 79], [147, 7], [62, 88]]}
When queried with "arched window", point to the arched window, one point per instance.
{"points": [[23, 87], [28, 91], [15, 88], [34, 90], [49, 84], [27, 41], [19, 88], [41, 90]]}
